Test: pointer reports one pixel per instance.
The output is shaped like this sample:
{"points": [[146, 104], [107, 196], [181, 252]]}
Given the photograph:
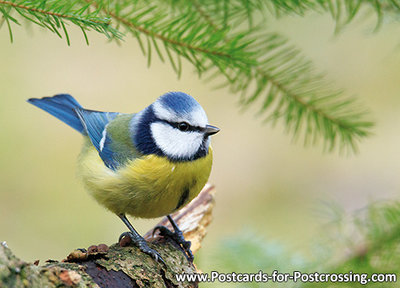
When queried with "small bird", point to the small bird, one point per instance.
{"points": [[147, 164]]}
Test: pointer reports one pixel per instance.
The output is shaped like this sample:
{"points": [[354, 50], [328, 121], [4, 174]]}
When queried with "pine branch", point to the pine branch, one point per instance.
{"points": [[342, 11], [364, 243], [378, 230], [213, 36], [290, 88], [181, 34], [55, 15], [229, 14]]}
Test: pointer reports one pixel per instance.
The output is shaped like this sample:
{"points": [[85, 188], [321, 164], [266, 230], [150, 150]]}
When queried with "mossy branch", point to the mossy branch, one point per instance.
{"points": [[117, 266]]}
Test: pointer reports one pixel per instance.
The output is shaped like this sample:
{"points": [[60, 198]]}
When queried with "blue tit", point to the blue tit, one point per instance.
{"points": [[147, 164]]}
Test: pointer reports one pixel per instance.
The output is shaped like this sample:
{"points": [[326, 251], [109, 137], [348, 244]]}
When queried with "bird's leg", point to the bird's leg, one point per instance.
{"points": [[139, 241], [177, 236]]}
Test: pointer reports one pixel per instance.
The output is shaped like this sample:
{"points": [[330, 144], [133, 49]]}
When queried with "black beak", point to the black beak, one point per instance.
{"points": [[211, 130]]}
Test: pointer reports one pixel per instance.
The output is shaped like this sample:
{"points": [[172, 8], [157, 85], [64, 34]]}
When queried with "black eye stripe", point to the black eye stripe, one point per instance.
{"points": [[191, 128], [183, 126]]}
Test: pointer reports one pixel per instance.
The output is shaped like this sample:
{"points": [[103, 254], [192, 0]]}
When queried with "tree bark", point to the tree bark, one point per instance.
{"points": [[118, 265]]}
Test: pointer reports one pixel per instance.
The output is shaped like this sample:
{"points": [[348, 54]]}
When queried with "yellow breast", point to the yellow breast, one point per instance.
{"points": [[146, 187]]}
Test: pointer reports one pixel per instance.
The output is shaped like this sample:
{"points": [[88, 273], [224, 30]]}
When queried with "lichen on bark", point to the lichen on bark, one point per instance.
{"points": [[117, 266]]}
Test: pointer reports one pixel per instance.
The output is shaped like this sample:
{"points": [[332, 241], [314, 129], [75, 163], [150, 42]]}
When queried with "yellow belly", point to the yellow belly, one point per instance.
{"points": [[146, 187]]}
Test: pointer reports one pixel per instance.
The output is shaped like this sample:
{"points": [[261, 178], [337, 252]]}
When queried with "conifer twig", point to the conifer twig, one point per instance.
{"points": [[54, 15], [349, 127], [213, 37]]}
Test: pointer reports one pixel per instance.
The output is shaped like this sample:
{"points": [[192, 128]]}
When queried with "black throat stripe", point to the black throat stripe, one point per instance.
{"points": [[184, 197]]}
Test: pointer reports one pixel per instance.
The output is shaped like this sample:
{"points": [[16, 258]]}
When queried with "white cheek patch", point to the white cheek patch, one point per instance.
{"points": [[196, 117], [175, 143]]}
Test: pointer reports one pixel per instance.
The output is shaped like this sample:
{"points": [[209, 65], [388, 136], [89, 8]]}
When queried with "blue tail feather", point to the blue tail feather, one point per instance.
{"points": [[63, 107]]}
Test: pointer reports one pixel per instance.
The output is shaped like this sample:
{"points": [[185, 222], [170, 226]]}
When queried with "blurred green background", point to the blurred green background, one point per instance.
{"points": [[265, 183]]}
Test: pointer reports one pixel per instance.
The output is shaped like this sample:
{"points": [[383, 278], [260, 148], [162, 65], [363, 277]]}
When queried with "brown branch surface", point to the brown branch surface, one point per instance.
{"points": [[116, 266]]}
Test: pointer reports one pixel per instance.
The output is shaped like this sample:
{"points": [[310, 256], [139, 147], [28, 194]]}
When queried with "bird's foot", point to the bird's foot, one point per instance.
{"points": [[177, 236], [143, 246]]}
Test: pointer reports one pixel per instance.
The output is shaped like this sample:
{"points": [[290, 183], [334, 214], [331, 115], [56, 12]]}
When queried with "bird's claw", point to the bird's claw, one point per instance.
{"points": [[125, 234], [144, 247], [177, 236], [153, 253]]}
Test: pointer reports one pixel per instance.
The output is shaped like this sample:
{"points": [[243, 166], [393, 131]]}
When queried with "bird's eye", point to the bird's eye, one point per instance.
{"points": [[183, 126]]}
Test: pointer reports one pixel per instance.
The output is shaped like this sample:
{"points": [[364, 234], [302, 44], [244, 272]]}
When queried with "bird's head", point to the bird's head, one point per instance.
{"points": [[175, 126]]}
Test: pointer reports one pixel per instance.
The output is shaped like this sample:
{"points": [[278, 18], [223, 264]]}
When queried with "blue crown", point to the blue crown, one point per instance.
{"points": [[179, 102]]}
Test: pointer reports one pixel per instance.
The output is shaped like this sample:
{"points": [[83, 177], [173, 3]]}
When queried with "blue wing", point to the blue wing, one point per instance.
{"points": [[61, 106], [95, 124], [92, 123]]}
